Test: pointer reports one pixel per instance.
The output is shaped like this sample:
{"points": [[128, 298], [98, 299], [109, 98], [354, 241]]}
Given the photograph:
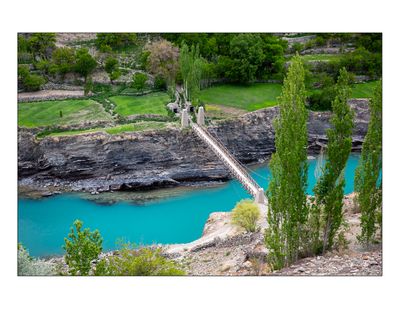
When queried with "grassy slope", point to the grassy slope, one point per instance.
{"points": [[130, 127], [153, 103], [364, 90], [249, 98], [47, 113]]}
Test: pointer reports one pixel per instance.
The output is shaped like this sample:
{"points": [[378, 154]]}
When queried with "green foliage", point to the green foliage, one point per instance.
{"points": [[287, 209], [28, 266], [41, 44], [363, 61], [88, 86], [323, 97], [245, 214], [139, 81], [160, 83], [114, 41], [82, 247], [297, 47], [23, 71], [370, 41], [111, 64], [246, 54], [330, 186], [30, 82], [367, 182], [64, 60], [112, 68], [191, 67], [85, 63], [138, 262], [33, 82]]}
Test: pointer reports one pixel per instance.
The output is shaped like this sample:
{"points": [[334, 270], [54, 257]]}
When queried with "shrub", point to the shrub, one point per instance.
{"points": [[139, 81], [85, 63], [245, 214], [160, 83], [28, 266], [82, 247], [33, 82], [139, 262]]}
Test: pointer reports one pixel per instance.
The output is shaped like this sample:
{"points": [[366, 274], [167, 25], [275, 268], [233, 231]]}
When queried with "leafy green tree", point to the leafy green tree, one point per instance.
{"points": [[64, 60], [368, 183], [246, 55], [41, 44], [33, 82], [329, 189], [85, 63], [82, 247], [111, 67], [245, 214], [139, 81], [274, 56], [139, 262], [287, 208]]}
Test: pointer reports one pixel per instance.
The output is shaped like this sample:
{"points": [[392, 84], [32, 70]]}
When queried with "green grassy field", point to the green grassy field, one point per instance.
{"points": [[364, 90], [130, 127], [322, 57], [153, 103], [47, 113], [248, 98]]}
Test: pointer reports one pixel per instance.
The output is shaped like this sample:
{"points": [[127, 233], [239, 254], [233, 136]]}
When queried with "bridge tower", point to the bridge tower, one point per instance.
{"points": [[200, 116], [184, 118]]}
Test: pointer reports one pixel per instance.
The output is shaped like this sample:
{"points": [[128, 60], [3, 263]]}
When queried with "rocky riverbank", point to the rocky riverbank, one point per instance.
{"points": [[225, 250], [99, 162]]}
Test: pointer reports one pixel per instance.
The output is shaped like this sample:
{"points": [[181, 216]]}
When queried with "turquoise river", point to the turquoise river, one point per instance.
{"points": [[177, 216]]}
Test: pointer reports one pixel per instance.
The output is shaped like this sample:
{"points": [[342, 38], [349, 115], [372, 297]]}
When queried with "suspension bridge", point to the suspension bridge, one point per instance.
{"points": [[234, 166]]}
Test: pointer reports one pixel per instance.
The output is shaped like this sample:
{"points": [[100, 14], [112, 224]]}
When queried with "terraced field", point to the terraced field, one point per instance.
{"points": [[153, 103], [65, 112]]}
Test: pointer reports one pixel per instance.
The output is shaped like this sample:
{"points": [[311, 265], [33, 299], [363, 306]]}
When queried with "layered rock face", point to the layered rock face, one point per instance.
{"points": [[140, 160]]}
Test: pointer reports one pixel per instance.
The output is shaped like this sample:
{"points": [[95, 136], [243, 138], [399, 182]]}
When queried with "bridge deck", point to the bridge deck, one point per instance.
{"points": [[234, 166]]}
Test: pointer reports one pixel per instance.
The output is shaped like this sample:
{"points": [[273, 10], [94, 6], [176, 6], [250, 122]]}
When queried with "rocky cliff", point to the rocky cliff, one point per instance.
{"points": [[140, 160]]}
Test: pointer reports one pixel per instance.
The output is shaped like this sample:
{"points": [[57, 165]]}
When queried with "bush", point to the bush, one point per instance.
{"points": [[28, 266], [82, 247], [139, 81], [139, 262], [33, 82], [160, 83], [245, 214]]}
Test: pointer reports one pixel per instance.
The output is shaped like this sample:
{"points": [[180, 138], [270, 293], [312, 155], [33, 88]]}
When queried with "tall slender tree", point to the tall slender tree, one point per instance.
{"points": [[191, 65], [368, 183], [287, 210], [329, 189]]}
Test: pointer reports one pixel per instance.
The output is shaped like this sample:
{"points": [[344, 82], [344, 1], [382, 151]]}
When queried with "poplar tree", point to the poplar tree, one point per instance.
{"points": [[191, 66], [329, 189], [287, 209], [368, 183]]}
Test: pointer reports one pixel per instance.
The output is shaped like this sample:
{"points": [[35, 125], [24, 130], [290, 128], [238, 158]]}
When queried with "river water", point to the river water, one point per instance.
{"points": [[170, 216]]}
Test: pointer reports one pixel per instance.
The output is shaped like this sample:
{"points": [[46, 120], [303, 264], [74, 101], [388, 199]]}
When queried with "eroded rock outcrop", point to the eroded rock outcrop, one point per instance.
{"points": [[139, 160]]}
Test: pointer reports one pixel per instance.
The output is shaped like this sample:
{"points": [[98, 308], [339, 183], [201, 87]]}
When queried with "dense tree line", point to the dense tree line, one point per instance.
{"points": [[239, 57]]}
